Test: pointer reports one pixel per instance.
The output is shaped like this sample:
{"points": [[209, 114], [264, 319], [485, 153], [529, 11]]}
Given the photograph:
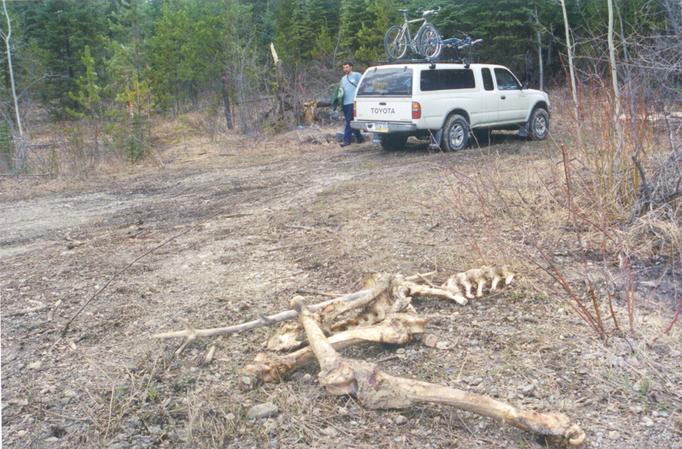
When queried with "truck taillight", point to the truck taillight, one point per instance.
{"points": [[355, 108], [416, 110]]}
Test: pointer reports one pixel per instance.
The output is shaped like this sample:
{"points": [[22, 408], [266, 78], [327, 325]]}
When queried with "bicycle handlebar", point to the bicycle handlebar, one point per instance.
{"points": [[428, 12]]}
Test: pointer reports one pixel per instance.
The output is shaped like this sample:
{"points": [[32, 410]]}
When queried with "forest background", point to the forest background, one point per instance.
{"points": [[110, 65]]}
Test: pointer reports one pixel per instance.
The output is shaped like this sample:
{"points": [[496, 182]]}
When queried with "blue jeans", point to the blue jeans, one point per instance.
{"points": [[348, 131]]}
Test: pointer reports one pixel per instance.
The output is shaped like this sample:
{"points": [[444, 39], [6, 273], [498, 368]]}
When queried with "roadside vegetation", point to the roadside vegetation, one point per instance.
{"points": [[157, 116]]}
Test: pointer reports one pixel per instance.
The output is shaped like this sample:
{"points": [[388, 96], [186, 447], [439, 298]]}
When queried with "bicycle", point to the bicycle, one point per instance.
{"points": [[433, 44], [398, 38]]}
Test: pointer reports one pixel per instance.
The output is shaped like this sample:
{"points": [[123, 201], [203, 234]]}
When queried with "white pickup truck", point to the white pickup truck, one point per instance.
{"points": [[446, 101]]}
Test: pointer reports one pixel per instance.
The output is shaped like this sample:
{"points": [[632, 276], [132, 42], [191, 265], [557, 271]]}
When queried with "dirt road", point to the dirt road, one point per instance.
{"points": [[266, 220]]}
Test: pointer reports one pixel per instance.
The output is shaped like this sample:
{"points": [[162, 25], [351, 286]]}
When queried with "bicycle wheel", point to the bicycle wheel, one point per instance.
{"points": [[395, 42], [429, 42]]}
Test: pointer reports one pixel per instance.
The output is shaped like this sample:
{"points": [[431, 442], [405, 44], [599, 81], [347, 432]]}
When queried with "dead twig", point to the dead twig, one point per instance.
{"points": [[303, 291], [190, 333], [118, 273]]}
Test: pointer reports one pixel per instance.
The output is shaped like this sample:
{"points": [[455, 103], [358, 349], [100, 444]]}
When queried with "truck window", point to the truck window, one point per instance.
{"points": [[505, 80], [447, 79], [487, 79], [386, 82]]}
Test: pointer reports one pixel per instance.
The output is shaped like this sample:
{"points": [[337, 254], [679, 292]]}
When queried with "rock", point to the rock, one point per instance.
{"points": [[48, 389], [400, 419], [473, 381], [615, 361], [230, 417], [35, 365], [443, 345], [430, 340], [330, 431], [264, 410], [648, 422], [614, 435], [307, 378], [527, 390], [21, 402], [678, 422], [400, 351]]}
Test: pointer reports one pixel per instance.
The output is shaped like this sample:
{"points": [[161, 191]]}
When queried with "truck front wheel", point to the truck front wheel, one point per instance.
{"points": [[538, 125], [393, 142], [456, 133]]}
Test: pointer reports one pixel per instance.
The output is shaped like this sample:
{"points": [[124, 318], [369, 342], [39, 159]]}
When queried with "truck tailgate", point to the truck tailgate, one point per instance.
{"points": [[383, 109]]}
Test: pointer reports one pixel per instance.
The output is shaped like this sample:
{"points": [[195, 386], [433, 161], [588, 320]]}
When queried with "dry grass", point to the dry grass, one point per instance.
{"points": [[566, 215], [317, 217]]}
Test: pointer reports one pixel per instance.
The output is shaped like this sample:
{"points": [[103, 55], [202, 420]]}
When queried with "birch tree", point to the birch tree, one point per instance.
{"points": [[570, 50], [614, 77], [7, 36]]}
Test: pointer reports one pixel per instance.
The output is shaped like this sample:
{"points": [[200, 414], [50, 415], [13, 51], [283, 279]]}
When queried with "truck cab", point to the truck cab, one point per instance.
{"points": [[446, 101]]}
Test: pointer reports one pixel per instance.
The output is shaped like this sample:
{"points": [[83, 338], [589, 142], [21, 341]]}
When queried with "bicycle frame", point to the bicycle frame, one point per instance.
{"points": [[406, 29]]}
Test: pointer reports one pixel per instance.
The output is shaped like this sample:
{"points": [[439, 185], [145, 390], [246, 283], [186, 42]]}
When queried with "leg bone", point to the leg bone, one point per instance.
{"points": [[375, 389]]}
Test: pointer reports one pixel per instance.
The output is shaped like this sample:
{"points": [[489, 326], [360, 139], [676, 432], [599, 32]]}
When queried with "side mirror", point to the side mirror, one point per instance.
{"points": [[524, 85]]}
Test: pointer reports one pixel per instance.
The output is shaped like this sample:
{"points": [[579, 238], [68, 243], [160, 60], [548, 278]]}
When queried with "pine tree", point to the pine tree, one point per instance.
{"points": [[62, 29], [353, 16]]}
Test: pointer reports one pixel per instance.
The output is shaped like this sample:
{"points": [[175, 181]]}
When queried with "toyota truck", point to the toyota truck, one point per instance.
{"points": [[446, 102]]}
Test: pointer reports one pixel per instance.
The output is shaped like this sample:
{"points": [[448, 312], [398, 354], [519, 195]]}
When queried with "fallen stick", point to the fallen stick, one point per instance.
{"points": [[115, 275], [378, 390]]}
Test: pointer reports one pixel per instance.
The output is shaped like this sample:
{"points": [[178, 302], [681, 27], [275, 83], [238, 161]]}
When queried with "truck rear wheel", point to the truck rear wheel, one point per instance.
{"points": [[456, 133], [393, 142]]}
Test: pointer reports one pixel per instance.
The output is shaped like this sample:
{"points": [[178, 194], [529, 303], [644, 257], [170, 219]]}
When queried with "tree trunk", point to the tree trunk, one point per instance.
{"points": [[569, 48], [548, 62], [7, 37], [614, 79], [20, 147], [539, 42], [226, 102]]}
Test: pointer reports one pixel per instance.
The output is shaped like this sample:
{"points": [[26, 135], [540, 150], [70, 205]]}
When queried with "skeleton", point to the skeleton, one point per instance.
{"points": [[378, 390], [382, 312]]}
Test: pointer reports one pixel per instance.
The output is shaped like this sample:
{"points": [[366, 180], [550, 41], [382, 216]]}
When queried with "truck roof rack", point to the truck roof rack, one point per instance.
{"points": [[424, 61]]}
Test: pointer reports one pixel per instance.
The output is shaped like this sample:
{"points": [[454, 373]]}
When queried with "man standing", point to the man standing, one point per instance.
{"points": [[349, 83]]}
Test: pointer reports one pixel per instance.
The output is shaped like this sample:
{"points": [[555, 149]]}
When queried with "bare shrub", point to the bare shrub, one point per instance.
{"points": [[567, 217]]}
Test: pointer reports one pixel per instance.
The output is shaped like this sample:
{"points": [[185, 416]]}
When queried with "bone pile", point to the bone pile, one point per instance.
{"points": [[382, 312], [385, 316]]}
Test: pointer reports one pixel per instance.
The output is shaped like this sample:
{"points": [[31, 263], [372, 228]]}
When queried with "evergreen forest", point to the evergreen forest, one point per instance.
{"points": [[104, 60]]}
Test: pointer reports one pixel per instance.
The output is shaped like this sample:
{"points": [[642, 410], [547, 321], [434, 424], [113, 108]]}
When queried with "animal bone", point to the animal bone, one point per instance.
{"points": [[479, 277], [190, 333], [287, 338], [496, 274], [383, 294], [397, 329], [423, 290], [365, 311], [376, 389]]}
